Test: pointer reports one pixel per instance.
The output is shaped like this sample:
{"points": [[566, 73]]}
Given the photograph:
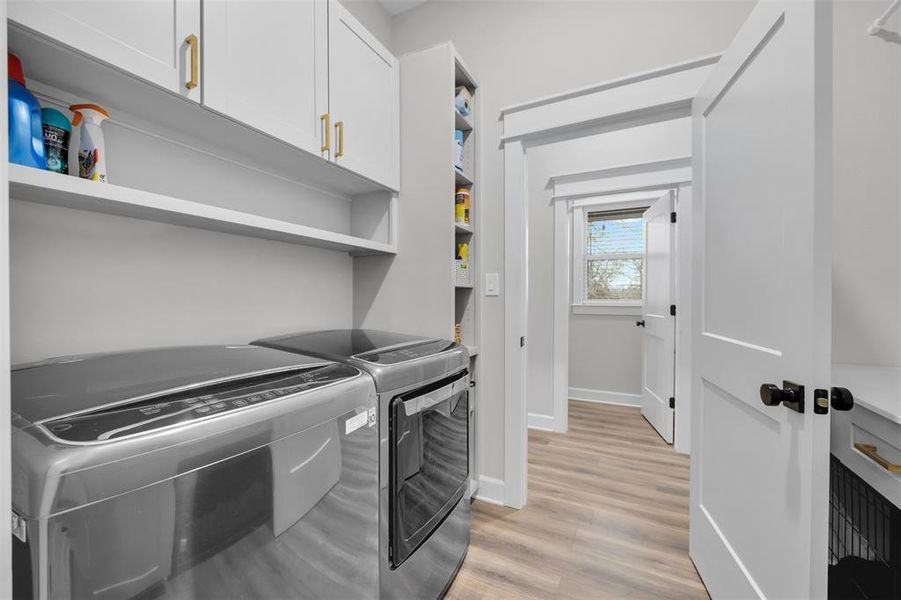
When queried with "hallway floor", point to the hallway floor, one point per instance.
{"points": [[607, 517]]}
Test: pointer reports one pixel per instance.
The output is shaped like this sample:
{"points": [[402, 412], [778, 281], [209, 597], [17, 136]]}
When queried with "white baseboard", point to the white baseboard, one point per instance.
{"points": [[602, 397], [491, 490], [542, 422]]}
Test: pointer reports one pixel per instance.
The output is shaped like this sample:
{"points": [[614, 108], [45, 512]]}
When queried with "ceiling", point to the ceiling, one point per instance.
{"points": [[395, 7]]}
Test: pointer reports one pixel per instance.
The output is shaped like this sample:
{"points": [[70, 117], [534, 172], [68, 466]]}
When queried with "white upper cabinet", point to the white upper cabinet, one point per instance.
{"points": [[266, 65], [363, 100], [151, 39], [304, 72]]}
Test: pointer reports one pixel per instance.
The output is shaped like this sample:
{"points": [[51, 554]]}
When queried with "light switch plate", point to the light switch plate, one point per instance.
{"points": [[492, 284]]}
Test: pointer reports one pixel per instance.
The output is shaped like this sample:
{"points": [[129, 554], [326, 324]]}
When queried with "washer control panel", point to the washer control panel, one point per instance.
{"points": [[413, 351], [197, 403]]}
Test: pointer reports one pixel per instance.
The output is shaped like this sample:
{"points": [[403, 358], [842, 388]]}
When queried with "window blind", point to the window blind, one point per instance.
{"points": [[613, 256], [615, 232]]}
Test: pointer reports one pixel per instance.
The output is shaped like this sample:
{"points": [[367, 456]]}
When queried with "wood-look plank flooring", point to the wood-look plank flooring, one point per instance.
{"points": [[607, 517]]}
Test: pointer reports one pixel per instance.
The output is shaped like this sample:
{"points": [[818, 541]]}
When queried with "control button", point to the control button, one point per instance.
{"points": [[191, 400], [60, 427], [203, 409], [219, 405], [268, 395], [239, 402], [255, 398]]}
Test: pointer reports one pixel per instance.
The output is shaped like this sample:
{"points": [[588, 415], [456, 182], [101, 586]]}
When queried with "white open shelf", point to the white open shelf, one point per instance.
{"points": [[473, 350], [463, 123], [463, 228], [875, 388], [462, 179], [45, 187]]}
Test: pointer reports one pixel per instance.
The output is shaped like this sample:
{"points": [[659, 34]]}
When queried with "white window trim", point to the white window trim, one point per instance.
{"points": [[580, 305], [629, 310]]}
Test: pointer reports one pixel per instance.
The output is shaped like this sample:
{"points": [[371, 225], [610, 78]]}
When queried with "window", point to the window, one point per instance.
{"points": [[610, 257]]}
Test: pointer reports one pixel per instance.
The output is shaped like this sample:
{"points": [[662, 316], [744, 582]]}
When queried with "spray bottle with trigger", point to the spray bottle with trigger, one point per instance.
{"points": [[91, 151]]}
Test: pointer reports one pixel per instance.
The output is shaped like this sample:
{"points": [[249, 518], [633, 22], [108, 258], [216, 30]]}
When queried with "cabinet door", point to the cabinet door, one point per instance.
{"points": [[147, 38], [363, 100], [265, 65]]}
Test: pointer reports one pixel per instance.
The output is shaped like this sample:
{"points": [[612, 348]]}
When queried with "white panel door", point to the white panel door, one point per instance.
{"points": [[659, 354], [266, 65], [760, 471], [147, 38], [363, 100]]}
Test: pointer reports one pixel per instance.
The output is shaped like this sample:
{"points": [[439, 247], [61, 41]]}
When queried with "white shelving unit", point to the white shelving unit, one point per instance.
{"points": [[466, 294], [465, 305], [33, 185]]}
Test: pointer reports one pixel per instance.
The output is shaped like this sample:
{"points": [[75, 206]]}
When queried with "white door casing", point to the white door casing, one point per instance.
{"points": [[659, 330], [363, 99], [266, 65], [762, 142], [146, 39]]}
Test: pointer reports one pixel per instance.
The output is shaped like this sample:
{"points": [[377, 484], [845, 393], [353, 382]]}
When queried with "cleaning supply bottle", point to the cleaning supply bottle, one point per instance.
{"points": [[460, 206], [463, 252], [91, 152], [26, 138], [57, 131]]}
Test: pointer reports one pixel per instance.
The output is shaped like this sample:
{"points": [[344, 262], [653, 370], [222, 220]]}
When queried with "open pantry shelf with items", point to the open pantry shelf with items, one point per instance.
{"points": [[465, 221], [172, 159]]}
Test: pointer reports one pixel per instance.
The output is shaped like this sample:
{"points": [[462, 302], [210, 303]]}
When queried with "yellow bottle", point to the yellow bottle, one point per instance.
{"points": [[461, 206], [463, 252]]}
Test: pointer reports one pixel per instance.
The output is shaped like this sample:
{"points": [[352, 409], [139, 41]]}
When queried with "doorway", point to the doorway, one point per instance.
{"points": [[649, 117]]}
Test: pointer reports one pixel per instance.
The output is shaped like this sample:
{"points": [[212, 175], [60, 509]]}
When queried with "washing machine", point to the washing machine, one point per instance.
{"points": [[194, 472], [423, 389]]}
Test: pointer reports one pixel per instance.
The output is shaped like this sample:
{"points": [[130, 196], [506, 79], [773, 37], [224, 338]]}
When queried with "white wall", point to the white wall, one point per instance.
{"points": [[86, 282], [523, 50], [373, 16], [605, 350], [867, 172], [605, 353]]}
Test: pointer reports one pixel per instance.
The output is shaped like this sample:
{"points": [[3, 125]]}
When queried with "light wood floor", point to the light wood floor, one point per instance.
{"points": [[607, 517]]}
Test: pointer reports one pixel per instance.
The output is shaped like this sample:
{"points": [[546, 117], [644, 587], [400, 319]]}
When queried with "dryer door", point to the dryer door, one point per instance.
{"points": [[429, 433]]}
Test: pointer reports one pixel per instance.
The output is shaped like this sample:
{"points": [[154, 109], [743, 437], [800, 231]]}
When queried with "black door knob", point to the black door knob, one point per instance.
{"points": [[639, 323], [773, 395], [790, 395], [841, 398]]}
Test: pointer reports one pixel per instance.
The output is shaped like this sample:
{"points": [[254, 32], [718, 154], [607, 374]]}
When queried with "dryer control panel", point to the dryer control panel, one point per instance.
{"points": [[180, 407]]}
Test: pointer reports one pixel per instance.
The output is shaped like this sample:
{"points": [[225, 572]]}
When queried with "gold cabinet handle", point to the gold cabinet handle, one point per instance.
{"points": [[191, 41], [324, 119], [339, 129], [872, 452]]}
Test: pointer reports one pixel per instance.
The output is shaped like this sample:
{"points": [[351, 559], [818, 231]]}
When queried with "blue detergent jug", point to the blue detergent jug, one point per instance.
{"points": [[26, 136]]}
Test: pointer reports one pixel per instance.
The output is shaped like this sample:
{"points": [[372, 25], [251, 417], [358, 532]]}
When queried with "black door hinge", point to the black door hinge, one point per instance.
{"points": [[672, 217], [522, 342], [672, 310], [672, 403]]}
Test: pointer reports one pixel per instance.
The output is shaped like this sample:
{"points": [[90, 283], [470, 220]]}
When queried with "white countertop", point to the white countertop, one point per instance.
{"points": [[875, 388]]}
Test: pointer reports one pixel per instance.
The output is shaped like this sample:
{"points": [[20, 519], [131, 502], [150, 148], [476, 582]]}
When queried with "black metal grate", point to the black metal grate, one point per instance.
{"points": [[864, 540]]}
